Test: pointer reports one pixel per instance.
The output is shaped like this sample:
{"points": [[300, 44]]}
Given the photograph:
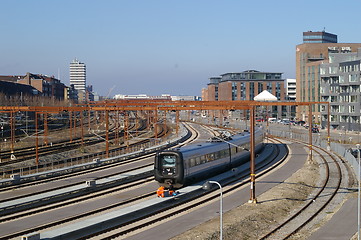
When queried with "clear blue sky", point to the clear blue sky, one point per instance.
{"points": [[162, 46]]}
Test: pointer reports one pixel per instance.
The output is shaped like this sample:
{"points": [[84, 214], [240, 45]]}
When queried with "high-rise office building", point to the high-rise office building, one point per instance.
{"points": [[309, 57], [78, 77]]}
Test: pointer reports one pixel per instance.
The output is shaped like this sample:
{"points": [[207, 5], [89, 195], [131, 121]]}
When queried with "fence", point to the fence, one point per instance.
{"points": [[320, 140]]}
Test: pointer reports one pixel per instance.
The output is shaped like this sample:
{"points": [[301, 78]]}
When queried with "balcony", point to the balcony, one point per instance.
{"points": [[315, 58]]}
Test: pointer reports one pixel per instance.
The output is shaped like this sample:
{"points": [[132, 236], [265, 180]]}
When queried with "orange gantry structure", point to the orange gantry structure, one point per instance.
{"points": [[149, 106]]}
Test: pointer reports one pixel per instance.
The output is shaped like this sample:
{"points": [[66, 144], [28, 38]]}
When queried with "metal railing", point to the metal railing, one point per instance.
{"points": [[321, 141]]}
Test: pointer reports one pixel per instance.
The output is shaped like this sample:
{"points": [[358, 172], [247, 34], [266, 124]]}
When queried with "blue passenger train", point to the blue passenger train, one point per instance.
{"points": [[185, 165]]}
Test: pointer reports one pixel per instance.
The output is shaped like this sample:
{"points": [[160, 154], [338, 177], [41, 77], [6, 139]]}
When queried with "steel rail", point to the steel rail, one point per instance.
{"points": [[317, 195], [190, 202]]}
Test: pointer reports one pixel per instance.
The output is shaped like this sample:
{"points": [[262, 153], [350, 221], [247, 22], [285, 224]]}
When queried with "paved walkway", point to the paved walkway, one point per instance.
{"points": [[342, 225]]}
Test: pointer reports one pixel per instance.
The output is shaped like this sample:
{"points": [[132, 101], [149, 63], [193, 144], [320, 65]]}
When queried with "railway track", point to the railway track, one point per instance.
{"points": [[318, 202], [294, 225], [10, 220], [69, 179], [23, 154], [312, 212], [64, 161], [61, 131], [187, 203]]}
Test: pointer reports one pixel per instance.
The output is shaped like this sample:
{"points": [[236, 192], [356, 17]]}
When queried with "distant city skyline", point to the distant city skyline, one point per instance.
{"points": [[162, 47]]}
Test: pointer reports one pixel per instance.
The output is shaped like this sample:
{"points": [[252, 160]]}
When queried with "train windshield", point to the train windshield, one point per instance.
{"points": [[168, 161]]}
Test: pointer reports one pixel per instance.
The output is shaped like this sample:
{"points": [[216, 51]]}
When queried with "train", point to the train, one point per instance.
{"points": [[179, 167]]}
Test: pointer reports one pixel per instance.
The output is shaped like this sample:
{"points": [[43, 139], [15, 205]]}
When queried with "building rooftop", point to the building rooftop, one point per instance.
{"points": [[319, 37]]}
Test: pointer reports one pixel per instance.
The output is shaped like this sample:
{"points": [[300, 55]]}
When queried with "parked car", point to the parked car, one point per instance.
{"points": [[315, 130], [285, 121], [301, 123], [272, 120]]}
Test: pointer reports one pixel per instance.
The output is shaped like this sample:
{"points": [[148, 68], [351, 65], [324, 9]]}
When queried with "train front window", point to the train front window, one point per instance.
{"points": [[168, 161], [168, 165]]}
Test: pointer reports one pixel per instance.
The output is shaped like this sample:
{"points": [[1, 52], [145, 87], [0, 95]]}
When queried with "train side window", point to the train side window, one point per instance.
{"points": [[198, 160], [217, 155], [203, 159], [233, 150], [189, 163], [210, 157], [192, 162], [222, 153]]}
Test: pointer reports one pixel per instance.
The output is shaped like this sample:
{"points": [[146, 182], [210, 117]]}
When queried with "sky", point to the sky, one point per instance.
{"points": [[163, 47]]}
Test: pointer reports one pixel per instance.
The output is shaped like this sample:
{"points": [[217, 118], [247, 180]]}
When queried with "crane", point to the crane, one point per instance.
{"points": [[110, 91]]}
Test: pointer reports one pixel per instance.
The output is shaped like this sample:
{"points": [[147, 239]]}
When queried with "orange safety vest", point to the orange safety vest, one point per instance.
{"points": [[160, 191]]}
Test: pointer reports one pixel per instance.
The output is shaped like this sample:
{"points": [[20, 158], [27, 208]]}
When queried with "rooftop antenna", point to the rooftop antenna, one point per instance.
{"points": [[58, 73]]}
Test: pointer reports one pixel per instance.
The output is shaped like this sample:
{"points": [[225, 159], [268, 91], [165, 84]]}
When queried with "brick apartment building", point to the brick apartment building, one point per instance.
{"points": [[45, 85], [246, 85]]}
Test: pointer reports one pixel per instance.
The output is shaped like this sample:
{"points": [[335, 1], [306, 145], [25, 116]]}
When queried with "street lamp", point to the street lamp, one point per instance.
{"points": [[207, 186], [359, 194]]}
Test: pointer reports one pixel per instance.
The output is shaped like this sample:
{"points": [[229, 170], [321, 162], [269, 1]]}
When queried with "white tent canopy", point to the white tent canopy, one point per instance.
{"points": [[265, 96]]}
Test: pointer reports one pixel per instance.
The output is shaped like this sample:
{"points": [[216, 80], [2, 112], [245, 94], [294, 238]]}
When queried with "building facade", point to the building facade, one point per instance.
{"points": [[47, 86], [78, 78], [340, 86], [309, 57], [242, 86], [290, 85], [10, 88]]}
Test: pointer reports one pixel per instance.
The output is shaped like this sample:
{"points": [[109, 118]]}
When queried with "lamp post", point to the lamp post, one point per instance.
{"points": [[207, 186], [359, 194]]}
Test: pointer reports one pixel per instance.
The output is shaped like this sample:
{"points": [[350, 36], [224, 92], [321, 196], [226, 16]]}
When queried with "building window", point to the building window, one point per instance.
{"points": [[260, 87], [342, 79], [354, 119], [335, 108], [234, 91], [344, 118], [243, 91], [251, 91], [278, 90], [322, 70], [323, 108], [216, 93], [355, 88], [352, 109], [353, 99], [352, 78], [269, 87], [333, 70]]}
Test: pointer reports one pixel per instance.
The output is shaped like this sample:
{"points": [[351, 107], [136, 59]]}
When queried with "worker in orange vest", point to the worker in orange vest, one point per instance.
{"points": [[160, 191], [171, 191]]}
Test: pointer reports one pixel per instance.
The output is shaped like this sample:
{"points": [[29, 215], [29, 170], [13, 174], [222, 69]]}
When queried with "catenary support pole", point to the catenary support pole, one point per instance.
{"points": [[253, 198]]}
